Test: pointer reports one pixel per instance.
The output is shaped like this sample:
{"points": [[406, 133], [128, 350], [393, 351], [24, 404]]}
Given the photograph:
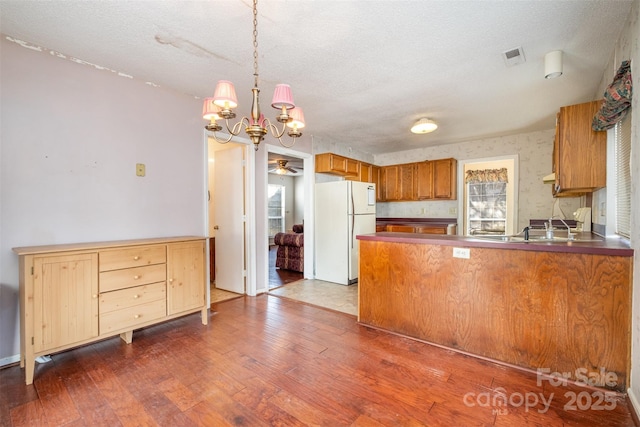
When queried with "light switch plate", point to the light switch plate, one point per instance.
{"points": [[140, 169]]}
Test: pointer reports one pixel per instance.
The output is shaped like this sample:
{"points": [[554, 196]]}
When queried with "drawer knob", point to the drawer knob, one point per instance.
{"points": [[136, 258], [136, 296], [136, 277], [137, 316], [95, 295], [170, 280]]}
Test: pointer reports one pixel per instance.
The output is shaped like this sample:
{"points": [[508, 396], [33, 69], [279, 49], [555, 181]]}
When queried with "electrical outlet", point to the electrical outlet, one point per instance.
{"points": [[603, 209], [453, 211], [140, 169], [462, 253]]}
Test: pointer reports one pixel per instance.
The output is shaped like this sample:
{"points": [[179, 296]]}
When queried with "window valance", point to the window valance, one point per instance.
{"points": [[617, 100], [486, 175]]}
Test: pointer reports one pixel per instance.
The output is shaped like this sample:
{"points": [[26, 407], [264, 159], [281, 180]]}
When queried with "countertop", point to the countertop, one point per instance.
{"points": [[609, 246]]}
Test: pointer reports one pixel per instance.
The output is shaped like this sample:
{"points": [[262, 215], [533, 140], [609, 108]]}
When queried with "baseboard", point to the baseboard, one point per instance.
{"points": [[634, 407], [9, 360]]}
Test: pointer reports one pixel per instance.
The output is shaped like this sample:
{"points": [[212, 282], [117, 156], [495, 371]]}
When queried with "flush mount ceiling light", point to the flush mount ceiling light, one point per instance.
{"points": [[553, 64], [424, 126], [224, 100]]}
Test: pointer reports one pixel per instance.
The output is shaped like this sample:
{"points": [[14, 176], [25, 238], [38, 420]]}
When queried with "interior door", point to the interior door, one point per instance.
{"points": [[228, 208]]}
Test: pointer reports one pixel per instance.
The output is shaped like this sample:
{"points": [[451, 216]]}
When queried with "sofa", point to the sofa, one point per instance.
{"points": [[290, 252]]}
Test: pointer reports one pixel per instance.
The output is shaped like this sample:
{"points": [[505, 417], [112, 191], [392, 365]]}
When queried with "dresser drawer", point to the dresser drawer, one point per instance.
{"points": [[136, 256], [128, 277], [127, 298], [130, 317]]}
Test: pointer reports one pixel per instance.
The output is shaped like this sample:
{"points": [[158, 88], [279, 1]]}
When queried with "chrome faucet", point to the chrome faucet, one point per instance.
{"points": [[549, 229]]}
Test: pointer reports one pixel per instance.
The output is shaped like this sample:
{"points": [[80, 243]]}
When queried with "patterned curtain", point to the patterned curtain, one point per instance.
{"points": [[617, 100], [486, 175]]}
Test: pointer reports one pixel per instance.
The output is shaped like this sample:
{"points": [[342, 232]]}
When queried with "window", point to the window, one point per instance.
{"points": [[275, 209], [487, 207], [622, 135], [490, 196]]}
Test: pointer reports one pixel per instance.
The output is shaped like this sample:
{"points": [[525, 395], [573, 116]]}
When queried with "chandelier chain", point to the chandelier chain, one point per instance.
{"points": [[256, 125], [255, 42]]}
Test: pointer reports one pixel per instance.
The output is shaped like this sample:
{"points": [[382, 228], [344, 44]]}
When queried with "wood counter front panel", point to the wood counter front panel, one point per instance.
{"points": [[559, 311]]}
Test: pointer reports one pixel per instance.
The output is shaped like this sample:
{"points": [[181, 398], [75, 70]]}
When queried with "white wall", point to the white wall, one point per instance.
{"points": [[534, 151], [71, 138], [341, 148]]}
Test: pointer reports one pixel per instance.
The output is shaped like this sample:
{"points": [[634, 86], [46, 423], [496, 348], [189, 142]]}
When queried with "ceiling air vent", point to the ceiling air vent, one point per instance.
{"points": [[513, 56]]}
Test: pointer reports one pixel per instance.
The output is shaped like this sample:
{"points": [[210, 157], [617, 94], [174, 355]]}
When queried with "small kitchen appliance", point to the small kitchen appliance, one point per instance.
{"points": [[583, 219]]}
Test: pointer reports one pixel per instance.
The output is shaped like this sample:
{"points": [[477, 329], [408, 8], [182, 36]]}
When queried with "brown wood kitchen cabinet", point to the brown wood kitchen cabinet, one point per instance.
{"points": [[579, 152], [75, 294], [429, 180], [365, 173], [376, 178], [398, 182], [337, 165], [436, 179]]}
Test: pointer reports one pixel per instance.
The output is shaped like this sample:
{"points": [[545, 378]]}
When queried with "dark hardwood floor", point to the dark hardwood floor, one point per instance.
{"points": [[278, 277], [271, 361]]}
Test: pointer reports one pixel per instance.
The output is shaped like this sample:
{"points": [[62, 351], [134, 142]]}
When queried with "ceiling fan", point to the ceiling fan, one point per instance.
{"points": [[282, 168]]}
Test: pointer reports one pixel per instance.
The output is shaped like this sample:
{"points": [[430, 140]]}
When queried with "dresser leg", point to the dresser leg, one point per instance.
{"points": [[127, 336], [204, 313], [29, 368]]}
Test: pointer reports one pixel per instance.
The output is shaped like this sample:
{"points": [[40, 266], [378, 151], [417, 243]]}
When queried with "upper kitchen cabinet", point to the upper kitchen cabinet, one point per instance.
{"points": [[398, 182], [436, 179], [376, 178], [365, 173], [337, 165], [579, 153]]}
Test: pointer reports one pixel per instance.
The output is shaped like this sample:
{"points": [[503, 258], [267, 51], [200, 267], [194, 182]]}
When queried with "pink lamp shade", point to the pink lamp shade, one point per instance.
{"points": [[225, 95], [282, 97], [210, 110], [297, 118]]}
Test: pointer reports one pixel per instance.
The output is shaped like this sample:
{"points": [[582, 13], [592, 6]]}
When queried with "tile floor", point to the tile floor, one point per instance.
{"points": [[323, 294], [218, 295]]}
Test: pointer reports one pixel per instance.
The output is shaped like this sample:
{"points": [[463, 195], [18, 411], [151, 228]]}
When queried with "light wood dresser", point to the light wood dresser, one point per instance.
{"points": [[75, 294]]}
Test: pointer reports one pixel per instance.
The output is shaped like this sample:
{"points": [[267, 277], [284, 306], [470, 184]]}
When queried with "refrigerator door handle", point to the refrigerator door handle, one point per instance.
{"points": [[353, 226], [353, 218]]}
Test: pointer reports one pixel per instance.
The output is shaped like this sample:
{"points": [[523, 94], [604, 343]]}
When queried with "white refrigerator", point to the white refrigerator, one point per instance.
{"points": [[344, 209]]}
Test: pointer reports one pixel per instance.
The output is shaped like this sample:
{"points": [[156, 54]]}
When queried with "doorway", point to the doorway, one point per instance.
{"points": [[489, 202], [298, 184]]}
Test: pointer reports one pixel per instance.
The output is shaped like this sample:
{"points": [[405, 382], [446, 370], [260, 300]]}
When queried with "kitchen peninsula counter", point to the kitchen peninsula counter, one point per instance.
{"points": [[595, 245], [558, 306]]}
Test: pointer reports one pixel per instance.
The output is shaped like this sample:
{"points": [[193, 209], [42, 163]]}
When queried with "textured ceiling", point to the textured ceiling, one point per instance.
{"points": [[363, 71]]}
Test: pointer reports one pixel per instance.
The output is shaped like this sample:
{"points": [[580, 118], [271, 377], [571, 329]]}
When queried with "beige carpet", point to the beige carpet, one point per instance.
{"points": [[324, 294]]}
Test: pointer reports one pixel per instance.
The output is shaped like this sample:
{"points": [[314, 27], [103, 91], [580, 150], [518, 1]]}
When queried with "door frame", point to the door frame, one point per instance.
{"points": [[515, 159], [249, 212], [308, 160]]}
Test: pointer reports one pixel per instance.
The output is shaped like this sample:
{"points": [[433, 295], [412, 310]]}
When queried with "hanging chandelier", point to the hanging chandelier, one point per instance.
{"points": [[224, 100]]}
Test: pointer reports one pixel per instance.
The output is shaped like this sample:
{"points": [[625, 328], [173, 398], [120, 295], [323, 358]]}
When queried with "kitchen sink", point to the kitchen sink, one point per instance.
{"points": [[535, 239]]}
